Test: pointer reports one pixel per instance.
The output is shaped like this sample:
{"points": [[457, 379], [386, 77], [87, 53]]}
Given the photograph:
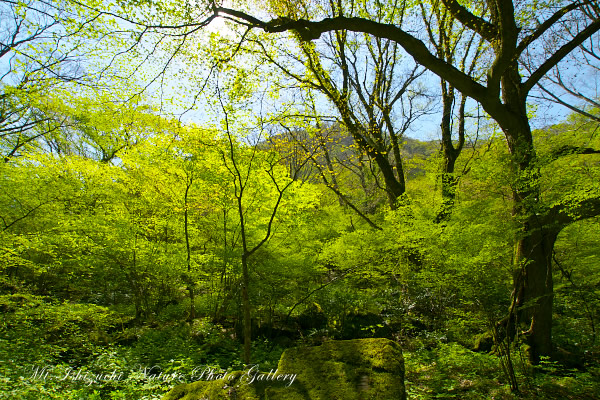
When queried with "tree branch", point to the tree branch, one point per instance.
{"points": [[568, 150], [309, 30], [565, 214], [487, 30], [28, 213], [569, 106], [553, 60], [324, 285], [541, 29]]}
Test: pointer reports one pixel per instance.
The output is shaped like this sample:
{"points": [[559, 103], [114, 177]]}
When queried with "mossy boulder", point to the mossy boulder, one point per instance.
{"points": [[358, 369], [484, 342]]}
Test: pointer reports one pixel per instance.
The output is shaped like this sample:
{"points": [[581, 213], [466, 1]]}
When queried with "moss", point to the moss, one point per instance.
{"points": [[348, 369], [484, 342]]}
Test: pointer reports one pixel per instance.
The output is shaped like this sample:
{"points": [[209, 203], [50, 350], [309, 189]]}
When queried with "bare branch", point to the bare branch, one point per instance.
{"points": [[555, 58]]}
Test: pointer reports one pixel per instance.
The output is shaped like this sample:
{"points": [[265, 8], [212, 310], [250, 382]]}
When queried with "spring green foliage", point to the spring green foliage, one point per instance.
{"points": [[94, 273], [121, 248]]}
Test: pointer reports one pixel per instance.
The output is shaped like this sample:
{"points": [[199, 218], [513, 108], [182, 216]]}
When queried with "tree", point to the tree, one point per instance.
{"points": [[244, 163], [375, 90], [449, 42], [122, 220], [45, 48], [100, 128]]}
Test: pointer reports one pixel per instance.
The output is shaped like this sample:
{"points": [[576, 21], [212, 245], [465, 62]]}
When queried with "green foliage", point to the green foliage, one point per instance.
{"points": [[121, 250], [577, 294], [451, 371]]}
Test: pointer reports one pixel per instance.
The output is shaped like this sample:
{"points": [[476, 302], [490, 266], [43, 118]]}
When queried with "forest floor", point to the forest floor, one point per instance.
{"points": [[441, 371], [451, 371]]}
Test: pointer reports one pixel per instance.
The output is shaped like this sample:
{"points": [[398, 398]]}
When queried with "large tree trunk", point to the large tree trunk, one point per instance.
{"points": [[533, 287]]}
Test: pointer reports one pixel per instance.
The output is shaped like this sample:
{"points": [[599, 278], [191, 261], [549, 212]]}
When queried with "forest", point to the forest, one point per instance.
{"points": [[190, 188]]}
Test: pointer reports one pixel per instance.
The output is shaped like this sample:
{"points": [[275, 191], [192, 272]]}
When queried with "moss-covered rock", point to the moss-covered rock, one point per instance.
{"points": [[483, 342], [346, 369]]}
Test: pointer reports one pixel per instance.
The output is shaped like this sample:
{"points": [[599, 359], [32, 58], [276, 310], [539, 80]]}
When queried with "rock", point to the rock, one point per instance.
{"points": [[484, 343], [357, 369]]}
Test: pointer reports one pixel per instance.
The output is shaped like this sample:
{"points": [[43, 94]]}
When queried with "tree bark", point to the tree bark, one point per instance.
{"points": [[246, 307], [449, 180], [533, 287]]}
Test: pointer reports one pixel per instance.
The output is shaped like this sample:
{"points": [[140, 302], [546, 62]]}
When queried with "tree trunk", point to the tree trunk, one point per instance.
{"points": [[533, 288], [332, 174], [449, 185], [190, 282], [449, 150], [246, 307], [449, 180], [394, 188]]}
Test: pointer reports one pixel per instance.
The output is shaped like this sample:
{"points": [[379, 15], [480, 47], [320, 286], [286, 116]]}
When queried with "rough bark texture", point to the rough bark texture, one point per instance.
{"points": [[533, 286], [533, 296]]}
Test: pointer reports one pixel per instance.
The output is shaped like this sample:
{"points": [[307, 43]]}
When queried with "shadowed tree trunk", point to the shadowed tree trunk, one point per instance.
{"points": [[189, 278], [447, 37], [533, 288]]}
